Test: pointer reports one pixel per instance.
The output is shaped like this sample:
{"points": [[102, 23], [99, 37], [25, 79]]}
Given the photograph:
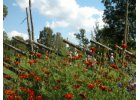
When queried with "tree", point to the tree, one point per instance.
{"points": [[114, 17], [45, 36], [5, 48], [58, 41], [5, 37], [5, 11], [18, 44], [81, 37]]}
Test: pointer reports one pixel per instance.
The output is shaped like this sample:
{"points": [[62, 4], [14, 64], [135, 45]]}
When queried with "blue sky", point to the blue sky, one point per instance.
{"points": [[64, 16]]}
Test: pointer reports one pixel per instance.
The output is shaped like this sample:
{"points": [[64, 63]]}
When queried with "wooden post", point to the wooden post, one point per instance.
{"points": [[21, 41], [43, 46], [14, 48], [126, 24], [29, 31], [126, 31], [32, 27], [77, 47], [104, 46], [110, 49]]}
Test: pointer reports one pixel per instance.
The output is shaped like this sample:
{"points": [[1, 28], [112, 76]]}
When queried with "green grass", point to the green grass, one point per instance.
{"points": [[55, 71]]}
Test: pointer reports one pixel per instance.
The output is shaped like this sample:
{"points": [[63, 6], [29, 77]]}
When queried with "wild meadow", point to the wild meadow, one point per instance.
{"points": [[69, 77]]}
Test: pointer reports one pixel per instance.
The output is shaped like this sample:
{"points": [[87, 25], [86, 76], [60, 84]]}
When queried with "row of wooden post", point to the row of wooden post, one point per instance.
{"points": [[31, 35], [66, 41], [30, 26]]}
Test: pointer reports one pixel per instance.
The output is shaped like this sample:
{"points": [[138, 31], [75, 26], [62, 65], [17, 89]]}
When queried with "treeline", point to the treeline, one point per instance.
{"points": [[114, 19], [46, 37], [112, 32]]}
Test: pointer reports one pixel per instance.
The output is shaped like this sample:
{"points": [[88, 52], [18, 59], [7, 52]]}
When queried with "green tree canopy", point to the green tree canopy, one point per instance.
{"points": [[58, 41], [45, 36], [114, 17], [18, 44], [81, 37], [5, 11]]}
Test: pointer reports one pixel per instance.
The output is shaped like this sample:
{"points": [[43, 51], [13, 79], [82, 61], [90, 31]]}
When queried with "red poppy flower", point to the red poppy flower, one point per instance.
{"points": [[31, 97], [93, 49], [17, 62], [79, 55], [68, 96], [11, 97], [124, 46], [114, 66], [29, 90], [32, 93], [89, 63], [83, 96], [23, 76], [76, 86], [91, 86], [39, 97], [37, 79], [7, 76], [22, 88], [9, 92], [35, 60], [31, 62], [103, 87], [39, 54], [32, 74]]}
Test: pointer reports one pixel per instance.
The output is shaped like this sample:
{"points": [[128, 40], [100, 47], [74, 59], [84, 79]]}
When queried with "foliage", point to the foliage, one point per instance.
{"points": [[114, 17], [58, 41], [59, 78], [81, 37], [45, 36], [5, 37], [17, 44], [5, 11], [49, 39]]}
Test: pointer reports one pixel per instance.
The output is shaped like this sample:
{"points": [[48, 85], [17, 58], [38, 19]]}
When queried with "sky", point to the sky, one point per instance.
{"points": [[64, 16]]}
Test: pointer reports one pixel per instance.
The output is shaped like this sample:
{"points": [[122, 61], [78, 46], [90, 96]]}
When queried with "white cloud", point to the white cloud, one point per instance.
{"points": [[66, 14], [24, 3], [72, 34], [16, 33], [14, 4]]}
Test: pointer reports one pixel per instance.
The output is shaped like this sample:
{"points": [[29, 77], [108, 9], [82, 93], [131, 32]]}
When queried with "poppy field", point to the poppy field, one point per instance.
{"points": [[68, 77]]}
